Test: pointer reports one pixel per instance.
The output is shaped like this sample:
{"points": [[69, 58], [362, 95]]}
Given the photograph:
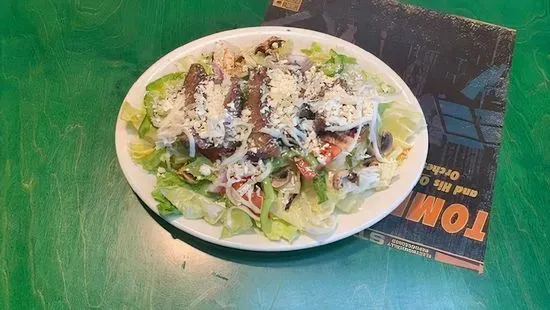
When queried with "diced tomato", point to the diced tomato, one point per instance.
{"points": [[305, 168], [330, 151], [255, 198]]}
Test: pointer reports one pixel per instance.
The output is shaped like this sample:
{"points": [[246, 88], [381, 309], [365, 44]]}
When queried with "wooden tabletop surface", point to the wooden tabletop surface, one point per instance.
{"points": [[73, 235]]}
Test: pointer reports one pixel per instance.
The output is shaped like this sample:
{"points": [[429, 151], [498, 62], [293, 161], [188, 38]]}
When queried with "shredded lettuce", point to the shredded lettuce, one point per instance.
{"points": [[201, 168], [185, 63], [235, 222], [336, 63], [169, 179], [282, 230], [179, 155], [205, 60], [192, 201], [274, 229], [320, 186], [146, 155], [159, 87], [157, 90], [285, 49], [164, 206], [269, 199], [305, 213], [193, 205], [387, 172], [331, 63], [145, 127], [316, 54], [382, 86], [351, 202], [133, 116], [402, 120]]}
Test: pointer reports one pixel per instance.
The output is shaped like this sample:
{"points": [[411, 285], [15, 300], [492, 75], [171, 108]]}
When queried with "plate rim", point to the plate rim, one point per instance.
{"points": [[260, 247]]}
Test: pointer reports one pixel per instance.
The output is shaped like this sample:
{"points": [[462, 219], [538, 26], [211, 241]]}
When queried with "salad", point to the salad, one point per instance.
{"points": [[268, 139]]}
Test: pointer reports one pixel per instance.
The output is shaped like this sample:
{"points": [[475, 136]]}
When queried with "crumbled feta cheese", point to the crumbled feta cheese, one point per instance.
{"points": [[162, 106], [344, 110], [160, 171], [315, 81], [205, 170], [282, 98], [245, 114]]}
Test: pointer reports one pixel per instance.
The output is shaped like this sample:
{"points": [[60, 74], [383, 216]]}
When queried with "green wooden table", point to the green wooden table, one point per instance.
{"points": [[73, 234]]}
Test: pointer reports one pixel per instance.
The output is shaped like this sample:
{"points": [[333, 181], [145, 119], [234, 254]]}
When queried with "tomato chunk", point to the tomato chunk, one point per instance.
{"points": [[330, 151], [256, 198], [305, 168]]}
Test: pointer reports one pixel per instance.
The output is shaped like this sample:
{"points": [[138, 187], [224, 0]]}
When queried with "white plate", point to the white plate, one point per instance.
{"points": [[375, 208]]}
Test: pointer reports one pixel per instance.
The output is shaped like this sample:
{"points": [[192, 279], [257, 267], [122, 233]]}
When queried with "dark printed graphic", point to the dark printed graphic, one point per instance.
{"points": [[458, 69]]}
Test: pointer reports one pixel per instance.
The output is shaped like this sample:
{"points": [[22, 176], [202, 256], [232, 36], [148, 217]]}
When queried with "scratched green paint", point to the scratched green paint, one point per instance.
{"points": [[73, 235]]}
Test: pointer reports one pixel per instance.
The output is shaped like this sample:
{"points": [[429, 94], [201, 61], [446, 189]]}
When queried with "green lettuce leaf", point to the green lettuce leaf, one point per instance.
{"points": [[331, 62], [351, 202], [145, 127], [388, 171], [193, 205], [316, 54], [164, 206], [336, 63], [169, 179], [194, 168], [306, 213], [134, 116], [235, 222], [320, 186], [206, 63], [282, 230], [402, 120], [157, 90], [146, 155], [269, 199]]}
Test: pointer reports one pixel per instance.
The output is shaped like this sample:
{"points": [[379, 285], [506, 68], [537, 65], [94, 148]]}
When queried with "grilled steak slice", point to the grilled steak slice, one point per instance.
{"points": [[234, 105], [262, 145]]}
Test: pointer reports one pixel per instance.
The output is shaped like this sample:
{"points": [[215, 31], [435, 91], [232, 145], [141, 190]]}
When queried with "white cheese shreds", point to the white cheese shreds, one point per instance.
{"points": [[252, 173], [373, 135], [171, 127], [191, 140]]}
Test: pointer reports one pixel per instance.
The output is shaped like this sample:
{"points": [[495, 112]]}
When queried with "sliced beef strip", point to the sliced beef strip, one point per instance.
{"points": [[234, 99], [319, 123], [268, 46], [264, 144], [234, 104], [215, 153], [195, 76], [340, 139]]}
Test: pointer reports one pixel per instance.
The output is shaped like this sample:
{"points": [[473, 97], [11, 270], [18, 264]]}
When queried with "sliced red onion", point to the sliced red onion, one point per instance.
{"points": [[218, 73], [300, 60]]}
